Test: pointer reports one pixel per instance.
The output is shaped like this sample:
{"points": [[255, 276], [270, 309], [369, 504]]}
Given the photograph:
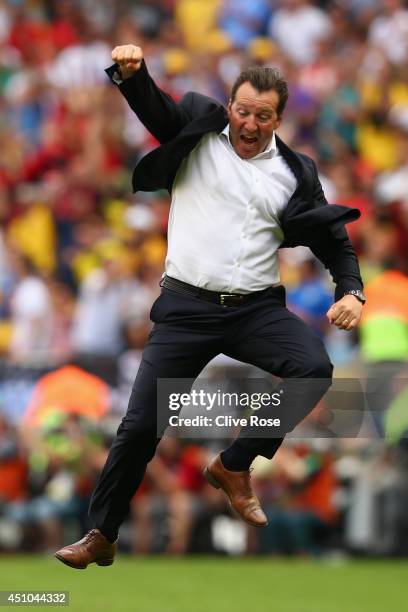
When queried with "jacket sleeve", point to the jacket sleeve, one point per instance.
{"points": [[335, 251], [156, 109], [338, 256]]}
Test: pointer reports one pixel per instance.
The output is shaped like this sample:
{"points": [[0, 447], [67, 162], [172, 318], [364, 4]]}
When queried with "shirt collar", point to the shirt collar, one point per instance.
{"points": [[270, 151]]}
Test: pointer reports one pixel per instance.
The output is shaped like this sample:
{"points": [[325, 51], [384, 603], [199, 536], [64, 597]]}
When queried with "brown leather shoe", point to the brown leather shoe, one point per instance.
{"points": [[237, 487], [93, 548]]}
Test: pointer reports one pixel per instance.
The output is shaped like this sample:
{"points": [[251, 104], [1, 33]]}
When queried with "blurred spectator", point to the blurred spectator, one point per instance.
{"points": [[174, 481], [384, 340], [196, 19], [311, 298], [297, 26], [30, 314], [242, 20], [80, 65], [62, 461], [13, 465], [389, 31], [299, 500], [101, 306]]}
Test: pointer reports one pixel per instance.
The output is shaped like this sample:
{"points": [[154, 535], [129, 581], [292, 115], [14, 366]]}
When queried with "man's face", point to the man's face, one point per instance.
{"points": [[253, 118]]}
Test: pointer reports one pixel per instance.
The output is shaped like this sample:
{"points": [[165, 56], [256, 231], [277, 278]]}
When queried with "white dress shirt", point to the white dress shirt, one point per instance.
{"points": [[224, 228]]}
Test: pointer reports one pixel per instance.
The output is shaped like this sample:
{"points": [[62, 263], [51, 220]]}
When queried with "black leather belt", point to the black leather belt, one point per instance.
{"points": [[224, 299]]}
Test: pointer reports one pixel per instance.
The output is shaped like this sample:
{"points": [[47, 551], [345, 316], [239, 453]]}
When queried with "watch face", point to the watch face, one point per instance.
{"points": [[358, 294]]}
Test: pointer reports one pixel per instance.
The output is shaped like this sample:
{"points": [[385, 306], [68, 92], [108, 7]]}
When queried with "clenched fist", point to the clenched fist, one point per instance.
{"points": [[345, 313], [129, 58]]}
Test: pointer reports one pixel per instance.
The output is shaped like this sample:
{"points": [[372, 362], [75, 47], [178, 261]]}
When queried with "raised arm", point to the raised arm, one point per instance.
{"points": [[157, 110]]}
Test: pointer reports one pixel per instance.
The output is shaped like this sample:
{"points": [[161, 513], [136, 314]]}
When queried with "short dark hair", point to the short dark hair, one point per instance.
{"points": [[264, 78]]}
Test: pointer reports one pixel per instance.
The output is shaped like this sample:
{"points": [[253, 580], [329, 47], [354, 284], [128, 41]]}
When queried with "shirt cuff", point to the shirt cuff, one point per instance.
{"points": [[114, 74]]}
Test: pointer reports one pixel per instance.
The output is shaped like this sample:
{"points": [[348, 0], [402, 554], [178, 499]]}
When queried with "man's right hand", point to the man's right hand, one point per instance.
{"points": [[129, 58]]}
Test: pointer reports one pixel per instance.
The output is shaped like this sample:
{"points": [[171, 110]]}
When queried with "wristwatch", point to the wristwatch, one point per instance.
{"points": [[358, 294]]}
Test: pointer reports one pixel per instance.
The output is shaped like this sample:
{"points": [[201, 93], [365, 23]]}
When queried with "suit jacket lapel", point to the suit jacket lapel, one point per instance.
{"points": [[158, 168], [214, 121], [291, 159]]}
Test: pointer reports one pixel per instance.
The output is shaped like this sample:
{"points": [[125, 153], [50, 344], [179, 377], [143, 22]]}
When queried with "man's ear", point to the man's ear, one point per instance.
{"points": [[229, 105]]}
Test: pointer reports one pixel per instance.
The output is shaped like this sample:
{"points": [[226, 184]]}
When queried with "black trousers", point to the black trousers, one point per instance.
{"points": [[187, 334]]}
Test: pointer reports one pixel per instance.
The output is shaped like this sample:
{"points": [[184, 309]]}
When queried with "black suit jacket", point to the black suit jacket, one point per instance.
{"points": [[307, 220]]}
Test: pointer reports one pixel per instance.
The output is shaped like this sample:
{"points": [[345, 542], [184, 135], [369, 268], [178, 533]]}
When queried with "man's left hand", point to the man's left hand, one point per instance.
{"points": [[345, 313]]}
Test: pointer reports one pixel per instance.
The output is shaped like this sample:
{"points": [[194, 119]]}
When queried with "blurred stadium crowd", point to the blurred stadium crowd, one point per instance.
{"points": [[81, 258]]}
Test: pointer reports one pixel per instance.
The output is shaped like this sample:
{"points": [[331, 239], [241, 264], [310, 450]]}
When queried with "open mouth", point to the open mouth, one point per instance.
{"points": [[249, 140]]}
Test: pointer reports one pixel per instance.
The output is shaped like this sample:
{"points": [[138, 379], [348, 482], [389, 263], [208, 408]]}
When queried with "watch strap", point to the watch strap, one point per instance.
{"points": [[358, 294]]}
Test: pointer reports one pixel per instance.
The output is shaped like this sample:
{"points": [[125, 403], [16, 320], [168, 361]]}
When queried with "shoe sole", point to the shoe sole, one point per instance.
{"points": [[214, 483], [103, 563], [210, 478]]}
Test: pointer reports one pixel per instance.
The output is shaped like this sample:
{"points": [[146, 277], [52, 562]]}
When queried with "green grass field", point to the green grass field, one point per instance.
{"points": [[216, 584]]}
